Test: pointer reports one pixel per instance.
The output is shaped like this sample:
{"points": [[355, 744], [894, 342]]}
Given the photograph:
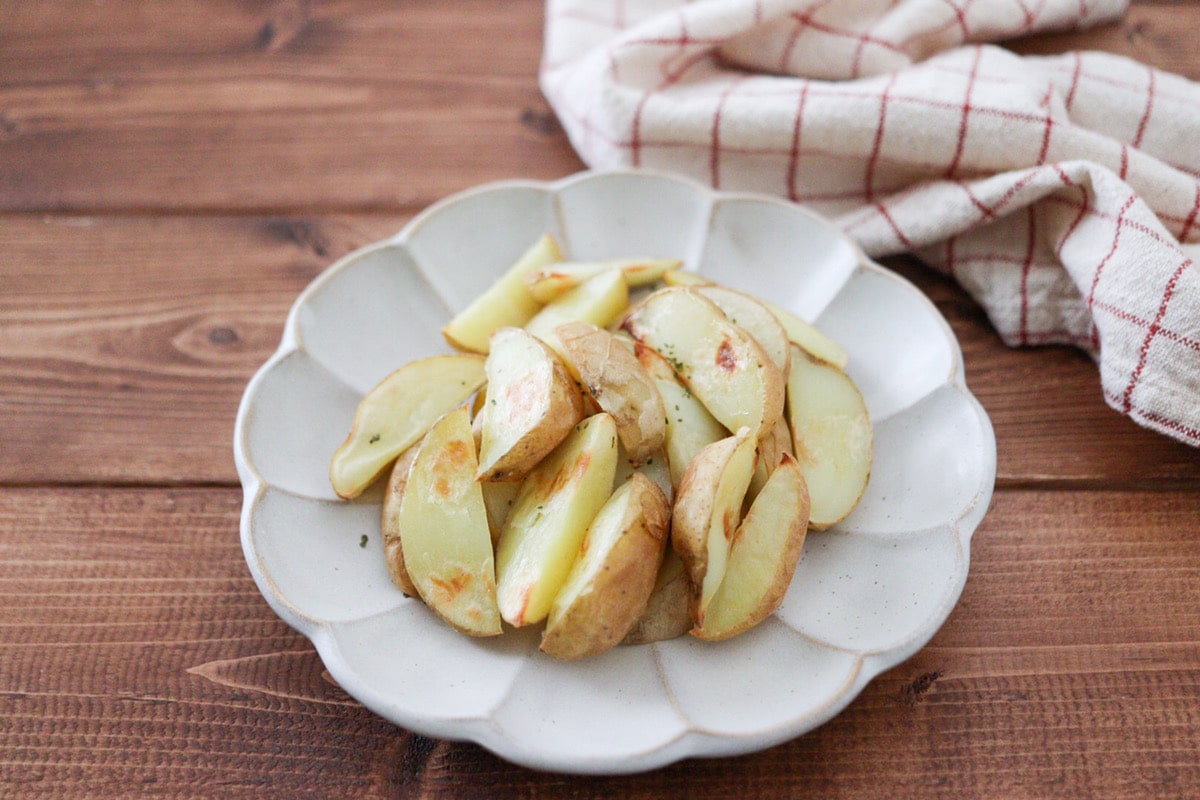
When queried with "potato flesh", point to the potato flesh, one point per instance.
{"points": [[679, 277], [543, 532], [532, 403], [444, 531], [612, 375], [720, 363], [598, 300], [809, 338], [611, 580], [550, 282], [398, 412], [763, 557], [831, 433], [655, 468], [798, 331], [770, 449], [707, 511], [507, 303], [690, 428], [753, 317]]}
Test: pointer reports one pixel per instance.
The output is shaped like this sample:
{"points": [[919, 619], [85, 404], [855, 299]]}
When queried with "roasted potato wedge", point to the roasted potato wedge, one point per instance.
{"points": [[552, 281], [667, 613], [498, 498], [398, 412], [831, 433], [532, 403], [770, 449], [444, 531], [612, 375], [753, 317], [719, 362], [707, 511], [679, 277], [556, 504], [799, 332], [610, 583], [655, 467], [690, 428], [762, 558], [389, 522], [809, 338], [599, 300], [655, 365], [507, 303]]}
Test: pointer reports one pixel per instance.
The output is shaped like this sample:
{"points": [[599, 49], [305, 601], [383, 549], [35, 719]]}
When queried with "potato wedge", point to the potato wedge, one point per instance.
{"points": [[831, 433], [690, 428], [444, 532], [389, 522], [798, 331], [809, 338], [532, 403], [679, 277], [543, 532], [763, 556], [498, 498], [610, 583], [719, 362], [599, 300], [655, 365], [398, 412], [619, 384], [667, 613], [707, 511], [770, 449], [655, 467], [507, 303], [552, 281], [754, 318]]}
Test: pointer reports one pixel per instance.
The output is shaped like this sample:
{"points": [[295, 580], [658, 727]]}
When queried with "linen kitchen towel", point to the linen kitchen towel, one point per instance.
{"points": [[1062, 192]]}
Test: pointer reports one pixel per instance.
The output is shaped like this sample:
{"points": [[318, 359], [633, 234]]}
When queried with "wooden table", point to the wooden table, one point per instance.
{"points": [[173, 174]]}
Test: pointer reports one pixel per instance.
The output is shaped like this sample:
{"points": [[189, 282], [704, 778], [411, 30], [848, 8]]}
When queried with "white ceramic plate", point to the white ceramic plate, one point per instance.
{"points": [[867, 595]]}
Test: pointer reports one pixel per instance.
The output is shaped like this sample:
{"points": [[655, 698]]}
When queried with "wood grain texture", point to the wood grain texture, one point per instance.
{"points": [[126, 342], [173, 174], [333, 106], [137, 656], [275, 106]]}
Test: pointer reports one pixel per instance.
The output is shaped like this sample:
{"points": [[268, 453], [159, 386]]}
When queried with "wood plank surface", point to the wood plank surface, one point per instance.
{"points": [[136, 656], [260, 105], [173, 174], [331, 106], [126, 341]]}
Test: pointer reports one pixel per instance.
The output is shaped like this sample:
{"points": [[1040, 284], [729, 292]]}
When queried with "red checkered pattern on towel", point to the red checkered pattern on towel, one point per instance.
{"points": [[1062, 192]]}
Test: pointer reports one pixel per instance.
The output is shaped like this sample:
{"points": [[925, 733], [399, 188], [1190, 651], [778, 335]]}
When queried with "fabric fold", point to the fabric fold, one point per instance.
{"points": [[1061, 192]]}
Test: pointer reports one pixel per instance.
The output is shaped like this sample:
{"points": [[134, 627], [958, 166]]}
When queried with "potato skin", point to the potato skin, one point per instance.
{"points": [[768, 547], [389, 524], [668, 613], [601, 615], [562, 408], [697, 503], [620, 384]]}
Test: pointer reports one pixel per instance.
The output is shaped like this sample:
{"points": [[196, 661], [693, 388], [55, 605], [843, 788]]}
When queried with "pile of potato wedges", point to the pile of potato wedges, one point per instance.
{"points": [[616, 470]]}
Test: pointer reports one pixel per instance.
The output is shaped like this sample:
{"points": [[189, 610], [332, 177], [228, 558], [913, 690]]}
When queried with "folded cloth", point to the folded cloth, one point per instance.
{"points": [[1063, 193]]}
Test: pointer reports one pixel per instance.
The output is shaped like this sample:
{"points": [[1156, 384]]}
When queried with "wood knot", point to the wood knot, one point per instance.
{"points": [[914, 692], [222, 336], [542, 122], [305, 233], [288, 21]]}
